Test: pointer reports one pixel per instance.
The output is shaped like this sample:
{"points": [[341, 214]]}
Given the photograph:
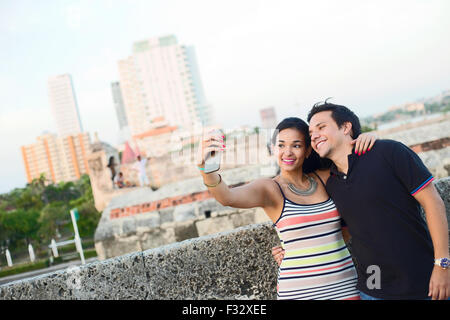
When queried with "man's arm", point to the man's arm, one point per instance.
{"points": [[434, 209]]}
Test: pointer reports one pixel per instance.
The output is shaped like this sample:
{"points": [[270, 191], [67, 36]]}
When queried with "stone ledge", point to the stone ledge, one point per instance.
{"points": [[229, 265]]}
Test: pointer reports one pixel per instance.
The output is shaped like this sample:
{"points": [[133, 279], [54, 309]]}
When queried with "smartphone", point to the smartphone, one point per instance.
{"points": [[212, 161]]}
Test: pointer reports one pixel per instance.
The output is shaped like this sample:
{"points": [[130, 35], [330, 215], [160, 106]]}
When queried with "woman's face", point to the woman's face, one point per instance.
{"points": [[290, 149]]}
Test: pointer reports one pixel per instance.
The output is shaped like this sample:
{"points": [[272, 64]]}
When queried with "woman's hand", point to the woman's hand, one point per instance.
{"points": [[364, 142], [278, 254], [211, 141]]}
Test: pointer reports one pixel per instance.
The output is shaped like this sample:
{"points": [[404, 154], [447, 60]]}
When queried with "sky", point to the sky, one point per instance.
{"points": [[367, 55]]}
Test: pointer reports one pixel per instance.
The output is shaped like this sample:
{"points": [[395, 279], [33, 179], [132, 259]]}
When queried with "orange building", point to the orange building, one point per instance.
{"points": [[60, 159]]}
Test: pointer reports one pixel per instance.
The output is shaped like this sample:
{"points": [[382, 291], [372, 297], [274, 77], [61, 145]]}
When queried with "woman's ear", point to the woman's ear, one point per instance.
{"points": [[308, 152]]}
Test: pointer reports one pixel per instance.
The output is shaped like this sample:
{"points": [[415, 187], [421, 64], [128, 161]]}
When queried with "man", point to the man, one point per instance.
{"points": [[142, 174], [378, 197]]}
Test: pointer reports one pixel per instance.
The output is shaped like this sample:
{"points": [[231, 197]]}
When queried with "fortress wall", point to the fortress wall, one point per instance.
{"points": [[235, 264]]}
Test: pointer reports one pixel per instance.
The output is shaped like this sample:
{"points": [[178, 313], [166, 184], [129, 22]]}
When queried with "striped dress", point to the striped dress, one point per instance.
{"points": [[317, 263]]}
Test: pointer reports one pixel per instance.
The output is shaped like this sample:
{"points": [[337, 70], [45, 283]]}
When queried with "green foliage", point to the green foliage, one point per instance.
{"points": [[36, 212], [31, 266], [54, 216], [9, 271], [366, 129], [443, 106]]}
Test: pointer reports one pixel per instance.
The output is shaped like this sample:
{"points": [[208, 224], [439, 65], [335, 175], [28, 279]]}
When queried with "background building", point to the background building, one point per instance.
{"points": [[268, 118], [161, 80], [59, 158], [118, 105], [124, 130], [63, 105]]}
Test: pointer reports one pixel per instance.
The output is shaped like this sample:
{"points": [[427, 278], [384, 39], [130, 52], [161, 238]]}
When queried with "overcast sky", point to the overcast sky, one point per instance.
{"points": [[368, 55]]}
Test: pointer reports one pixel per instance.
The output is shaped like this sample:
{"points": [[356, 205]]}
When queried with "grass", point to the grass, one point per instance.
{"points": [[41, 264]]}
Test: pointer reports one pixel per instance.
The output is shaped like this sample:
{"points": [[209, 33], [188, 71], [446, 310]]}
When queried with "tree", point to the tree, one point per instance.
{"points": [[54, 216]]}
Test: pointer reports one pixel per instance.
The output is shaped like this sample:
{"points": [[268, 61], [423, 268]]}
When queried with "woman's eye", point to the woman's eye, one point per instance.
{"points": [[297, 146], [280, 146]]}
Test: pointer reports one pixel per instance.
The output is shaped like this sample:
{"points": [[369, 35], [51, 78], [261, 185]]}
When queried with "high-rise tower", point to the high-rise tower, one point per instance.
{"points": [[161, 80], [63, 105]]}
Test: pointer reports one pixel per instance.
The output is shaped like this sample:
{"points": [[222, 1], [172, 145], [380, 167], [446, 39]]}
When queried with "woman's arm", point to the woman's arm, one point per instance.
{"points": [[254, 194], [251, 195], [364, 142]]}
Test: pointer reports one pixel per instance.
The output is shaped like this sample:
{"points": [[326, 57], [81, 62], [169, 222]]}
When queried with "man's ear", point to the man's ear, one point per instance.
{"points": [[348, 128]]}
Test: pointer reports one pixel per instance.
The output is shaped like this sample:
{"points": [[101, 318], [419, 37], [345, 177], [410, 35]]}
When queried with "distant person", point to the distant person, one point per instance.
{"points": [[120, 181], [379, 197], [140, 166], [112, 167]]}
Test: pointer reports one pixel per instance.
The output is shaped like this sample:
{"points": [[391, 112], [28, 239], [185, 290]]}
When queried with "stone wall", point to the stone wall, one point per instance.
{"points": [[231, 265], [143, 219], [430, 139]]}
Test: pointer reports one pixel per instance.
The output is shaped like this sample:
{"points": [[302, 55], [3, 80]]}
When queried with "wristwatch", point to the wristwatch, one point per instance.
{"points": [[444, 263]]}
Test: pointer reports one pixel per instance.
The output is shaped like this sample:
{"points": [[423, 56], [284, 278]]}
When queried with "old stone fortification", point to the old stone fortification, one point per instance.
{"points": [[143, 219], [243, 149], [231, 265], [430, 139]]}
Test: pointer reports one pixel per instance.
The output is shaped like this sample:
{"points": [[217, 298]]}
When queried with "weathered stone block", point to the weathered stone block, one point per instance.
{"points": [[185, 231], [157, 237], [213, 225]]}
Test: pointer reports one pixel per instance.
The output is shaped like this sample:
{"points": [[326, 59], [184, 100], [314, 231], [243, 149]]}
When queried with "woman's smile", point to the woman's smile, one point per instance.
{"points": [[288, 161]]}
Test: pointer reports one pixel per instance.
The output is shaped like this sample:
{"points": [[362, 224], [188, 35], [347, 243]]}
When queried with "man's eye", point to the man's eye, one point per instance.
{"points": [[280, 146]]}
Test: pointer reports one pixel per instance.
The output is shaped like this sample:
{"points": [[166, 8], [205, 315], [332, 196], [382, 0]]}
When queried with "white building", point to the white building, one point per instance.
{"points": [[63, 105], [160, 80]]}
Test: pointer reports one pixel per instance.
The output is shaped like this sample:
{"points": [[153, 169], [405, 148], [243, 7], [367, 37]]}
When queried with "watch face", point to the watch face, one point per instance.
{"points": [[445, 263]]}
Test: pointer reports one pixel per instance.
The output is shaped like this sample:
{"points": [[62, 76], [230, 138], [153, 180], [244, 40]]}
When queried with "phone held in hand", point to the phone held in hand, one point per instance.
{"points": [[212, 161]]}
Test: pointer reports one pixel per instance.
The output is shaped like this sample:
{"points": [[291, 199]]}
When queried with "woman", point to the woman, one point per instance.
{"points": [[316, 263]]}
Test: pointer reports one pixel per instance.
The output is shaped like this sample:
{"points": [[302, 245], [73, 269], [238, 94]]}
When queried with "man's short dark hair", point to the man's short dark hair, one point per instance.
{"points": [[340, 115]]}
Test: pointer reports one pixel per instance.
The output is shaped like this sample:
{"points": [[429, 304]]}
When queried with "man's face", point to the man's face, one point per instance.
{"points": [[326, 136]]}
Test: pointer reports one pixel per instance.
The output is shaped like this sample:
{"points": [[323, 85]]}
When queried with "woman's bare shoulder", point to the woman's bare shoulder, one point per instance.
{"points": [[324, 174]]}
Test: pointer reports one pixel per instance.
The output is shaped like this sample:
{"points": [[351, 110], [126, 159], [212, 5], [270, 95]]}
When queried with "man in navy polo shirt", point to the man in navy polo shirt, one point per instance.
{"points": [[379, 197]]}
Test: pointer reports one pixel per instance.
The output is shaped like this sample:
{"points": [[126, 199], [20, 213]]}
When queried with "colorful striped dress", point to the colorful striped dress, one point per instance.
{"points": [[317, 263]]}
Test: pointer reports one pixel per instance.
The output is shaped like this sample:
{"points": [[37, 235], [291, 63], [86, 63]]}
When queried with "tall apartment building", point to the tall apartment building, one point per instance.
{"points": [[59, 158], [63, 105], [118, 105], [161, 80]]}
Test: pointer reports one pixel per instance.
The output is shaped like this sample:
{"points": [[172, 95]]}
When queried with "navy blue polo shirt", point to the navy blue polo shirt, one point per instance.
{"points": [[375, 200]]}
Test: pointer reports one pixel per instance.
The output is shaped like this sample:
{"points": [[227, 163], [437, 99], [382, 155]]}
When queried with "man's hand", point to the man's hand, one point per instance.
{"points": [[439, 284], [278, 254]]}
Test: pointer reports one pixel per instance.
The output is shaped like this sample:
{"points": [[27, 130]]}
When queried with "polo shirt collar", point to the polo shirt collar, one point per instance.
{"points": [[351, 158]]}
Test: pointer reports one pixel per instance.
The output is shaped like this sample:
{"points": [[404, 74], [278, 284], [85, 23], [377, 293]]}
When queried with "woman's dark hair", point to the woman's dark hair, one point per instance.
{"points": [[340, 115], [313, 162]]}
